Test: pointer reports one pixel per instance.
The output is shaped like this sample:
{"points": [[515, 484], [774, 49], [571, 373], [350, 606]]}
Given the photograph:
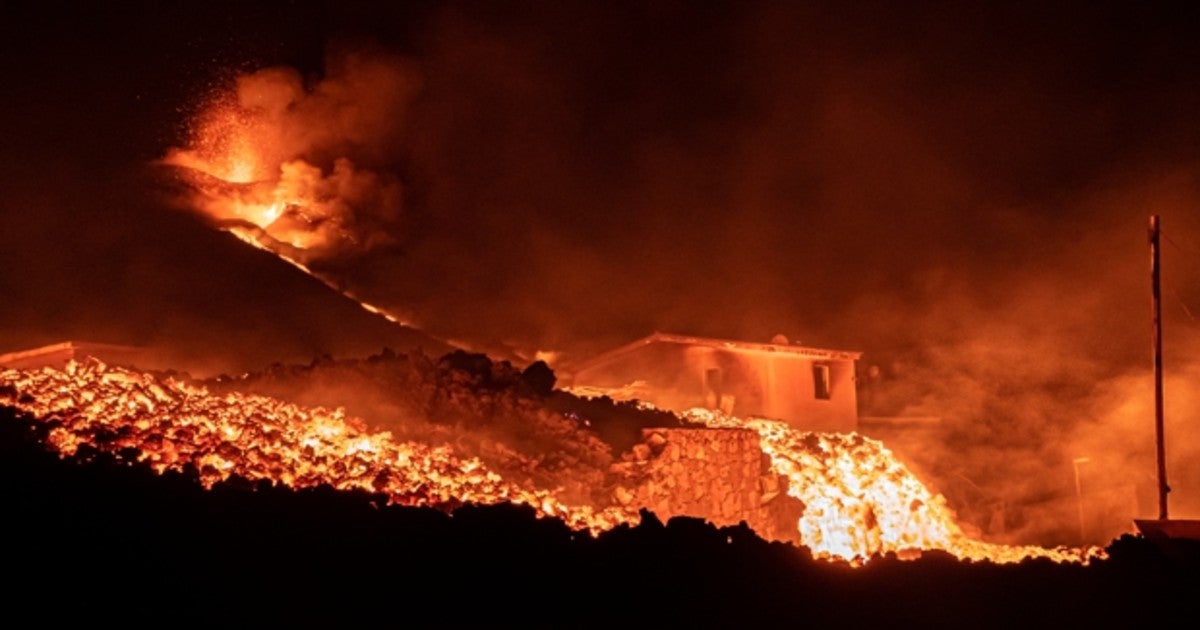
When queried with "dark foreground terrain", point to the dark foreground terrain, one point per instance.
{"points": [[96, 539]]}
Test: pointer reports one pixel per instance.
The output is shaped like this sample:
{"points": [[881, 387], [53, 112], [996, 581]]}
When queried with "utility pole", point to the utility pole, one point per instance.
{"points": [[1079, 497], [1163, 488]]}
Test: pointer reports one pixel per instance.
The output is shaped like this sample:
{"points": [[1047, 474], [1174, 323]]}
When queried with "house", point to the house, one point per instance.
{"points": [[812, 389], [58, 354]]}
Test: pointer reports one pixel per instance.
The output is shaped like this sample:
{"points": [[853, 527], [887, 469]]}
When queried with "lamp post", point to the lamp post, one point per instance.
{"points": [[1079, 495]]}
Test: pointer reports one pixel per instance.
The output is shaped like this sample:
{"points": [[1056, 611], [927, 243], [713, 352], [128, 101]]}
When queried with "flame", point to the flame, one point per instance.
{"points": [[860, 502]]}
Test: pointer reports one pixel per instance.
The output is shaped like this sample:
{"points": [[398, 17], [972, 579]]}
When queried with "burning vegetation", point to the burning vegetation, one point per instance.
{"points": [[464, 430]]}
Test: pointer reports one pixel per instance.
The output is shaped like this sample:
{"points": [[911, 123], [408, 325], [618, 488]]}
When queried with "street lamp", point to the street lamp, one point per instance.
{"points": [[1079, 495]]}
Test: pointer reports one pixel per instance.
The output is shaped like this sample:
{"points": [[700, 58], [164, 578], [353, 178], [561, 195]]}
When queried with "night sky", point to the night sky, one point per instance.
{"points": [[959, 190]]}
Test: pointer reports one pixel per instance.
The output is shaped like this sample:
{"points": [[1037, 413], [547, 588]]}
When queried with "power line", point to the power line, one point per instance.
{"points": [[1182, 304], [1174, 291], [1187, 251]]}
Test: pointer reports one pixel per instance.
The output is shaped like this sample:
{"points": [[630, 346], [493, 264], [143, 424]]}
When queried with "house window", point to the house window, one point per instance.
{"points": [[821, 389], [712, 388], [712, 379]]}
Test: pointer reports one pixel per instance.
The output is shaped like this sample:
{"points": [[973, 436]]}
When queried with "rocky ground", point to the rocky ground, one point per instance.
{"points": [[513, 419], [98, 540]]}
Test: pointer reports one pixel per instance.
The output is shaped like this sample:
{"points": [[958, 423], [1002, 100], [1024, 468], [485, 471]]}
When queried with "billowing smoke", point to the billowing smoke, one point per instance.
{"points": [[310, 164], [1048, 377]]}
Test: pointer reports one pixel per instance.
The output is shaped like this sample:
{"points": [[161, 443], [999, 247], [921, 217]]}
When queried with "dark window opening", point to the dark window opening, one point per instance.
{"points": [[712, 388], [821, 387]]}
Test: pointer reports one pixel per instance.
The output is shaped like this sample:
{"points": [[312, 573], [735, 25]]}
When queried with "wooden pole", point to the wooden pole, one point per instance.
{"points": [[1163, 488], [1079, 497]]}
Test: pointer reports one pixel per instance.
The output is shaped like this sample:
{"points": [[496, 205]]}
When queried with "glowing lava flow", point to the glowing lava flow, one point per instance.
{"points": [[173, 424], [861, 502]]}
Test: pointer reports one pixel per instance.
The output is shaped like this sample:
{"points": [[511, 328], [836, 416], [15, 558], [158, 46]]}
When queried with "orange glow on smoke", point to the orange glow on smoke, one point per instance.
{"points": [[280, 202], [859, 501], [243, 178], [274, 207]]}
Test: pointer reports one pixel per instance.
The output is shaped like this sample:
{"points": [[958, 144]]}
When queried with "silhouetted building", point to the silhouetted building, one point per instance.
{"points": [[812, 389], [58, 354]]}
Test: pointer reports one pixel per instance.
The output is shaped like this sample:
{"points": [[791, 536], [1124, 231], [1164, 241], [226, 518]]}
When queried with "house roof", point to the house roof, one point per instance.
{"points": [[723, 344], [75, 348]]}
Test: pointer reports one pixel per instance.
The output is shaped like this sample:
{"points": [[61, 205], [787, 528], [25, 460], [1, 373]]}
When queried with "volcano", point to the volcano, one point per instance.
{"points": [[200, 297]]}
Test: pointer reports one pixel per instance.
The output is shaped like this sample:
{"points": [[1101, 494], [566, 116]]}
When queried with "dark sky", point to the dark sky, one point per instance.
{"points": [[960, 190]]}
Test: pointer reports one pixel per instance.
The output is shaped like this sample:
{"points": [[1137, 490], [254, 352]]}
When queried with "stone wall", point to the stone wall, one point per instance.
{"points": [[720, 475]]}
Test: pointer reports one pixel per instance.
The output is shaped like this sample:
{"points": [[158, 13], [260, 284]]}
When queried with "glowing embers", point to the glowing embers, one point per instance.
{"points": [[860, 502], [173, 424]]}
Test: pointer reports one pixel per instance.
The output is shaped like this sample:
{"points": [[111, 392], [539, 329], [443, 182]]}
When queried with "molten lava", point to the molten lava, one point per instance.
{"points": [[859, 501], [173, 424]]}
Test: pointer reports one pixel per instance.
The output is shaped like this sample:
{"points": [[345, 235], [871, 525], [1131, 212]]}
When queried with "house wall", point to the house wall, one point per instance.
{"points": [[739, 382], [57, 356], [777, 385]]}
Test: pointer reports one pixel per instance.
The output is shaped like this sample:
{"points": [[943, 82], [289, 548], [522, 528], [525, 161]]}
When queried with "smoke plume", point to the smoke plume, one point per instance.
{"points": [[307, 161]]}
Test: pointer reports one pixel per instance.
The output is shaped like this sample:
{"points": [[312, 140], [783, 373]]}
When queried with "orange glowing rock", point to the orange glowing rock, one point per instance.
{"points": [[861, 502], [173, 424]]}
